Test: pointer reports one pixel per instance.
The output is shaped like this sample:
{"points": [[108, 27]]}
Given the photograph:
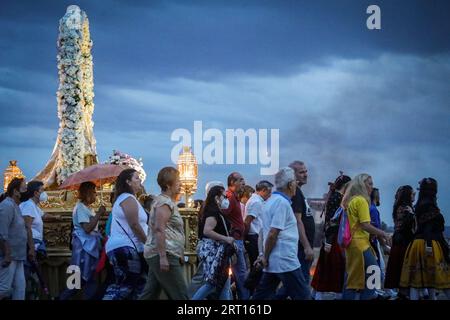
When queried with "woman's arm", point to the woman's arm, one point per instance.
{"points": [[162, 216], [383, 236], [131, 211], [208, 231], [88, 227]]}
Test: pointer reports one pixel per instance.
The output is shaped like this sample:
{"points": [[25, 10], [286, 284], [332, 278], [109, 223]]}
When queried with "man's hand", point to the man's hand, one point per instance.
{"points": [[261, 261], [31, 255]]}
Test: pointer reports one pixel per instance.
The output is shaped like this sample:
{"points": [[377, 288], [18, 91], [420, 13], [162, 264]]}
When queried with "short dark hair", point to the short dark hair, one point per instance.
{"points": [[374, 193], [121, 182], [84, 190], [32, 187], [14, 185], [166, 177], [263, 185]]}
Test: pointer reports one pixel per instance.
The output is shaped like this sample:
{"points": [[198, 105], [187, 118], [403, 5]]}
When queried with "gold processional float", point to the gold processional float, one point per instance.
{"points": [[75, 149]]}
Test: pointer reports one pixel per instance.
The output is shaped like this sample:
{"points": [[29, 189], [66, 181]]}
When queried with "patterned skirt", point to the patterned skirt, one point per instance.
{"points": [[422, 270], [215, 257], [130, 270]]}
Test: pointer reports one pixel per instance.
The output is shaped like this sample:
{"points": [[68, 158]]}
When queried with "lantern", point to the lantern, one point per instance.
{"points": [[11, 172], [188, 168]]}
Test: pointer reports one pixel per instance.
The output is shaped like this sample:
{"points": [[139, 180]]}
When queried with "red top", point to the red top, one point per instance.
{"points": [[234, 215]]}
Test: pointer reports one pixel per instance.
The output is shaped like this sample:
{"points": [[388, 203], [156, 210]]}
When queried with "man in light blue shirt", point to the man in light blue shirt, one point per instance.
{"points": [[280, 238]]}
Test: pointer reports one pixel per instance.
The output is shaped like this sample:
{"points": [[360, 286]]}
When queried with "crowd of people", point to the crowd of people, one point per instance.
{"points": [[254, 243]]}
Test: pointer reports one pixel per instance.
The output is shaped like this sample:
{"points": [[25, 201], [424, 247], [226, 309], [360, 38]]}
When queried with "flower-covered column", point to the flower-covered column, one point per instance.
{"points": [[75, 99]]}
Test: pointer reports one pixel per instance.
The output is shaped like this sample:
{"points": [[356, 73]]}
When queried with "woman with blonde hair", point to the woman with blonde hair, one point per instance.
{"points": [[359, 253]]}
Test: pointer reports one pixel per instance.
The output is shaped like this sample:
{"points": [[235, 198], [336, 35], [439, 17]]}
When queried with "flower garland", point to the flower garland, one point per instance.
{"points": [[121, 158], [87, 88]]}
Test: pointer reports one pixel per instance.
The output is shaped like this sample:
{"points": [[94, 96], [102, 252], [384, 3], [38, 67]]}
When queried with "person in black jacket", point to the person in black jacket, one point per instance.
{"points": [[404, 224]]}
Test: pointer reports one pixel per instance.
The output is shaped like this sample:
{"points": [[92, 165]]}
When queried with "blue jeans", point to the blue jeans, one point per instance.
{"points": [[366, 293], [305, 266], [293, 282], [205, 290], [240, 271]]}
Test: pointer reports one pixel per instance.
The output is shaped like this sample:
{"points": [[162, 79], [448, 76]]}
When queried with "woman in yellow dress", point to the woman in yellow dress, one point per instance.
{"points": [[427, 260], [360, 259]]}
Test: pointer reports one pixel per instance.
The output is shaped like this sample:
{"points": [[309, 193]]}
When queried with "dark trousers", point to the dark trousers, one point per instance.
{"points": [[305, 264], [251, 245], [293, 283]]}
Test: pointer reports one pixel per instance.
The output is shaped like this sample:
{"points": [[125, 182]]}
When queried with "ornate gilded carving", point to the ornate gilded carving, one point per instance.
{"points": [[64, 201], [57, 234], [190, 219]]}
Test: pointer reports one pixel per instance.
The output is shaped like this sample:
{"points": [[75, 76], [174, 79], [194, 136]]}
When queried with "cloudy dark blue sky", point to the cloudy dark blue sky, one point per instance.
{"points": [[344, 97]]}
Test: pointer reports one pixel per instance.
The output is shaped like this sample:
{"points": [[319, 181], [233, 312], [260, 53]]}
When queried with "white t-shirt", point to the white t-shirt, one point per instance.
{"points": [[118, 237], [30, 209], [254, 208], [82, 214], [277, 213]]}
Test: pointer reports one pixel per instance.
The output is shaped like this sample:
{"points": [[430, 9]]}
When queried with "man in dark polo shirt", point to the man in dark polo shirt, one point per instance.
{"points": [[234, 215], [305, 220]]}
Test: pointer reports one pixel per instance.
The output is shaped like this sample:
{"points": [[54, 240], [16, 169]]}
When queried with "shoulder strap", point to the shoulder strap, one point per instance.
{"points": [[120, 225], [224, 224]]}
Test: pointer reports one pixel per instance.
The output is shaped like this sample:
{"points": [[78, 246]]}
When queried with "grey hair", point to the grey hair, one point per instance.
{"points": [[296, 163], [263, 185], [283, 177]]}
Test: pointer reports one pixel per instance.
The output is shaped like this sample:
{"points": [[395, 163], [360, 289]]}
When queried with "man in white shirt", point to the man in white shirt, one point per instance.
{"points": [[280, 236], [253, 212]]}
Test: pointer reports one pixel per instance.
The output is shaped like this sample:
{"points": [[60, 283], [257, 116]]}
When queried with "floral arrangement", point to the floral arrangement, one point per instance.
{"points": [[121, 158], [75, 91]]}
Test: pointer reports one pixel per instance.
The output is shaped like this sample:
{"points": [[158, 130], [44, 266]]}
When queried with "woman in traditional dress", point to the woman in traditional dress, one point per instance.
{"points": [[427, 260], [330, 268], [403, 216]]}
